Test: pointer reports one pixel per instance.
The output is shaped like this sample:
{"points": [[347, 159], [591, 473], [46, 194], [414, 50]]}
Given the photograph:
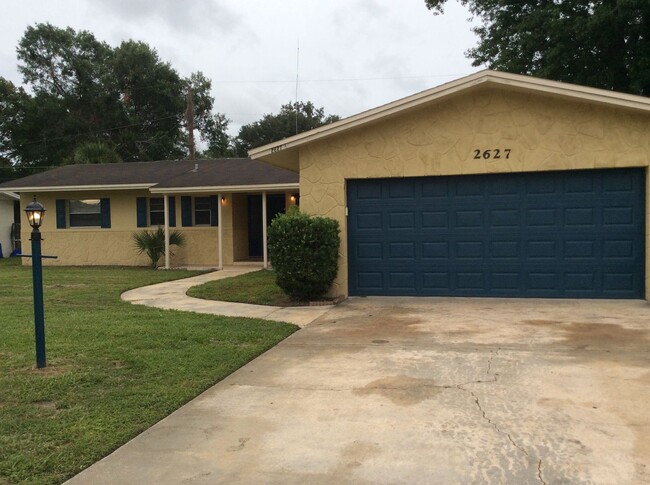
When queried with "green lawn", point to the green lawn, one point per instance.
{"points": [[258, 287], [114, 369]]}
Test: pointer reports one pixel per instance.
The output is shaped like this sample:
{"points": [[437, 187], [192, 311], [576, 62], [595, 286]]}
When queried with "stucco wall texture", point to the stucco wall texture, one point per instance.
{"points": [[542, 132], [114, 246], [6, 219]]}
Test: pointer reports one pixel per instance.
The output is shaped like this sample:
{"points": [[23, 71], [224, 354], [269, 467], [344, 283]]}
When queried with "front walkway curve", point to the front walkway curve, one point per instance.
{"points": [[171, 295]]}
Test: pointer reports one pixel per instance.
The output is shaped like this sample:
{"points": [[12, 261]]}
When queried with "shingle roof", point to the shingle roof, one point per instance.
{"points": [[162, 174]]}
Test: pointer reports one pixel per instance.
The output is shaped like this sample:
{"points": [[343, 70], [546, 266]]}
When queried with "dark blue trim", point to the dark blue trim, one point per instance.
{"points": [[186, 211], [214, 208], [60, 214], [141, 211], [105, 210]]}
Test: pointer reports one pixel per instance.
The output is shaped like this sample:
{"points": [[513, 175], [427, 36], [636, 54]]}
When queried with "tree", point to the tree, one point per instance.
{"points": [[79, 91], [94, 152], [599, 43], [282, 125]]}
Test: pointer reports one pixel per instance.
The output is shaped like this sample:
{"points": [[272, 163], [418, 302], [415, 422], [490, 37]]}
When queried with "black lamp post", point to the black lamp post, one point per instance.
{"points": [[35, 212]]}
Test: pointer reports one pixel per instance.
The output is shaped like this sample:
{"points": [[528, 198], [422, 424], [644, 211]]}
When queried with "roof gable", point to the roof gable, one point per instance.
{"points": [[284, 153]]}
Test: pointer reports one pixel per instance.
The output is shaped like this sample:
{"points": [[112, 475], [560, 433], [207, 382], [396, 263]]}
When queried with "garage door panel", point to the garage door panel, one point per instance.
{"points": [[551, 234]]}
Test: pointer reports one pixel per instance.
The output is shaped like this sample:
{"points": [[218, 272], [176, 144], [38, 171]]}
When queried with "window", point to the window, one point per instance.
{"points": [[199, 211], [202, 213], [85, 213], [156, 211]]}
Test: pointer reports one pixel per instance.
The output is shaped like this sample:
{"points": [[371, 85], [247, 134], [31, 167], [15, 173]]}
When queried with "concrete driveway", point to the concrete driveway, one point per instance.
{"points": [[406, 390]]}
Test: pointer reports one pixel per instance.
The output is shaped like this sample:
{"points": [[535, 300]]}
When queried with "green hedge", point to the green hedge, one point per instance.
{"points": [[304, 253]]}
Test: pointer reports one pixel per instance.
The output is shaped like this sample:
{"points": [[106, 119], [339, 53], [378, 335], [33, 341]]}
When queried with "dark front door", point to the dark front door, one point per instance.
{"points": [[275, 204], [569, 234]]}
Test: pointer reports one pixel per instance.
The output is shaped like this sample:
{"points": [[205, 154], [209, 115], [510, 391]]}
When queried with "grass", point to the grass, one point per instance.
{"points": [[114, 369], [258, 287]]}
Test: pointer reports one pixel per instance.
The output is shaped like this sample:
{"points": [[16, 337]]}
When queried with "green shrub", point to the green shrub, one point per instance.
{"points": [[304, 253], [153, 243]]}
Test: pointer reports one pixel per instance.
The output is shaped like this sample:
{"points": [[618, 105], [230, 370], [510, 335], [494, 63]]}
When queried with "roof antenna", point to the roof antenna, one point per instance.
{"points": [[297, 71]]}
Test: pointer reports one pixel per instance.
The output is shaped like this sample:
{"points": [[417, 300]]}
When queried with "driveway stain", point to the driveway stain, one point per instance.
{"points": [[402, 390]]}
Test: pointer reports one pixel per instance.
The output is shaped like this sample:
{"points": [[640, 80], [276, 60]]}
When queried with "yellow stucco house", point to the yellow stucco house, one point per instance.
{"points": [[222, 207], [491, 185]]}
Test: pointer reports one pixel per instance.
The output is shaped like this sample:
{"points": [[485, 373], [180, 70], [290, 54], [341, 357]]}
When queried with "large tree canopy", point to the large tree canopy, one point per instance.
{"points": [[292, 119], [599, 43], [80, 91]]}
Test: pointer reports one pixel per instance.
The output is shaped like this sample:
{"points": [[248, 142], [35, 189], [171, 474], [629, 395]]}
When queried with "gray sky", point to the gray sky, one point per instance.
{"points": [[354, 54]]}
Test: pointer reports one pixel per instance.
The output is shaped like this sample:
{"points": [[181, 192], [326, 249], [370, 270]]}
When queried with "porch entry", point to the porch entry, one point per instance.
{"points": [[275, 204]]}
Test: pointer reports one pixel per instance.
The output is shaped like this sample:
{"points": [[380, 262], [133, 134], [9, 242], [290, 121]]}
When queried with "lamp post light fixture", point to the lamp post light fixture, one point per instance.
{"points": [[35, 212]]}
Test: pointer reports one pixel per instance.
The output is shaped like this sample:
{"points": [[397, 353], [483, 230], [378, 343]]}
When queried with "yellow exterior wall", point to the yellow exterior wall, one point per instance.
{"points": [[542, 132], [114, 246]]}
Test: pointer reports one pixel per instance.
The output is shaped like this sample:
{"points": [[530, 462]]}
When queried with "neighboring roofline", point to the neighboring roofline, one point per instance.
{"points": [[81, 188], [224, 188], [519, 81], [11, 195]]}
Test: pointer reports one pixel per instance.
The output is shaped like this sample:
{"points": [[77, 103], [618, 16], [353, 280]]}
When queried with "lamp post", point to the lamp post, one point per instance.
{"points": [[35, 212]]}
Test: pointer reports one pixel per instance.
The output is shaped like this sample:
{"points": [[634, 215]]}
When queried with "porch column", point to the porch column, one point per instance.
{"points": [[264, 246], [220, 228], [166, 199]]}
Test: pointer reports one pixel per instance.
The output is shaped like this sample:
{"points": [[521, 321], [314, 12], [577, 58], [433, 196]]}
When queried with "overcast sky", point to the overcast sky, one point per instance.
{"points": [[354, 54]]}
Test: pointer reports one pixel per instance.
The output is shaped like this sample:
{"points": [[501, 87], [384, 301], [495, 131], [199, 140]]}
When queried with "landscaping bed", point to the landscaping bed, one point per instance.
{"points": [[114, 369]]}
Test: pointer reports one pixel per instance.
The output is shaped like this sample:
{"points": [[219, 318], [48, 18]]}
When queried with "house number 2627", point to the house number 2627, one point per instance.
{"points": [[495, 154]]}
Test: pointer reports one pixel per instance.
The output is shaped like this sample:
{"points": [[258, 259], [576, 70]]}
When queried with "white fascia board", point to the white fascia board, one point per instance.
{"points": [[83, 188], [10, 195], [224, 189]]}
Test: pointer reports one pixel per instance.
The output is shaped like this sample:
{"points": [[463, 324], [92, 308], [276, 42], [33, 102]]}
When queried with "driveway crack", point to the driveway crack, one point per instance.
{"points": [[495, 378]]}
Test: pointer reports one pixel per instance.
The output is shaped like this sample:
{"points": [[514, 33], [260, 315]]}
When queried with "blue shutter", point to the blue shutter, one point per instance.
{"points": [[172, 212], [105, 209], [141, 209], [186, 211], [214, 207], [60, 214]]}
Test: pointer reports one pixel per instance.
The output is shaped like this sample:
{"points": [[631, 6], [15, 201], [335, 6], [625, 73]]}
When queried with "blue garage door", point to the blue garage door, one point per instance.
{"points": [[577, 234]]}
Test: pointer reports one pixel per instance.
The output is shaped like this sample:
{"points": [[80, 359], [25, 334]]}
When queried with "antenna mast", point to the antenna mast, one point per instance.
{"points": [[297, 71]]}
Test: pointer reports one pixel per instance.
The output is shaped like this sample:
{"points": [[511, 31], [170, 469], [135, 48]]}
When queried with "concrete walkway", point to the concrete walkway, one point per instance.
{"points": [[171, 295]]}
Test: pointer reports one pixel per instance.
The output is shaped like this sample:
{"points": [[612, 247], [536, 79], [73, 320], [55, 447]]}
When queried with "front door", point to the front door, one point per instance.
{"points": [[275, 204]]}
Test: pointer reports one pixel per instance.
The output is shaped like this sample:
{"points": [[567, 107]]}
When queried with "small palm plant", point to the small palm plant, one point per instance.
{"points": [[153, 243]]}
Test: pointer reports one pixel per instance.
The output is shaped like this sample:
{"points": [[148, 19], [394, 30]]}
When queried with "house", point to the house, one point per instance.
{"points": [[491, 185], [221, 206], [8, 210]]}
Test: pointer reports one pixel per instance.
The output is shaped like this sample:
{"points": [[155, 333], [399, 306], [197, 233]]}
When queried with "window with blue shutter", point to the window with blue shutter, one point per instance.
{"points": [[60, 214], [141, 211], [105, 210], [214, 210], [172, 212], [186, 211]]}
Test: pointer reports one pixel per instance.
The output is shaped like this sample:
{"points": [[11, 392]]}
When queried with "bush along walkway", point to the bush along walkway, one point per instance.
{"points": [[171, 295]]}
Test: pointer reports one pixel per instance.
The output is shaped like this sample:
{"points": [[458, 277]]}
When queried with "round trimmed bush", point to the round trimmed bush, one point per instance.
{"points": [[304, 252]]}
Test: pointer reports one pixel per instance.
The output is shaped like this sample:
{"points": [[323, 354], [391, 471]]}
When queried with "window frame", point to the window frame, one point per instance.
{"points": [[207, 210], [151, 211], [70, 219]]}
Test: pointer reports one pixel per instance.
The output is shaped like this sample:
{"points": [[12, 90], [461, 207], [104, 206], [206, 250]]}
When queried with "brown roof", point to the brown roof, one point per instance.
{"points": [[162, 174]]}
